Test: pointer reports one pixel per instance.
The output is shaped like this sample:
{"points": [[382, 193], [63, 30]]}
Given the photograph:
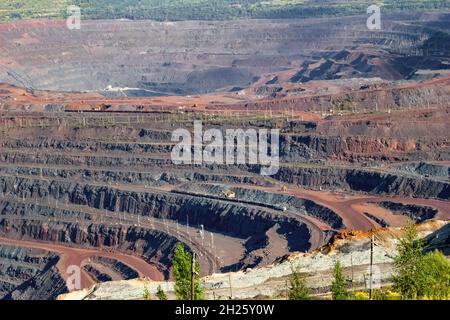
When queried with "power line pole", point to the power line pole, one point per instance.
{"points": [[287, 290], [231, 288], [371, 266], [353, 279], [193, 277]]}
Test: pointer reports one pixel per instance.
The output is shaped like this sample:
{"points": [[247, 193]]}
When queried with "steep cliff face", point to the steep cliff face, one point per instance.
{"points": [[365, 181], [277, 201], [362, 148], [241, 221], [29, 274], [414, 212], [155, 247]]}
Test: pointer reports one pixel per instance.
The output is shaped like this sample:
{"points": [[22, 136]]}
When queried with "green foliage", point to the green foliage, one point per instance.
{"points": [[146, 295], [160, 293], [26, 9], [298, 289], [380, 294], [407, 263], [435, 275], [174, 10], [338, 289], [181, 268], [420, 276]]}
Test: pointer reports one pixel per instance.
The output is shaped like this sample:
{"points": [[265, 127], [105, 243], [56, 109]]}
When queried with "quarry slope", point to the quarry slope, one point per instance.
{"points": [[352, 249]]}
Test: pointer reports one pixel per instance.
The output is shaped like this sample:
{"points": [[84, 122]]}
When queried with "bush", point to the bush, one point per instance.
{"points": [[160, 293], [435, 275], [361, 295]]}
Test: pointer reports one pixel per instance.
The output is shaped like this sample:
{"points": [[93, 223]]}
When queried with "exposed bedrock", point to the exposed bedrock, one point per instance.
{"points": [[214, 214], [154, 246], [393, 98], [365, 181], [147, 176], [415, 212], [427, 169], [358, 148], [378, 220], [124, 270], [439, 240], [97, 274], [29, 274], [276, 201], [384, 143]]}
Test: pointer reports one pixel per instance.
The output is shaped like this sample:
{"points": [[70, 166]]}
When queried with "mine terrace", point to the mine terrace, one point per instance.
{"points": [[86, 124]]}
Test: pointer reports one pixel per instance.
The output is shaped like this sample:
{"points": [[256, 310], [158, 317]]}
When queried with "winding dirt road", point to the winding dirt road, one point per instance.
{"points": [[71, 256]]}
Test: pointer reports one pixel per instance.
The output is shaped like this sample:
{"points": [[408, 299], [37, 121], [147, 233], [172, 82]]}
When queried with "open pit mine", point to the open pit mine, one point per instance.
{"points": [[87, 177]]}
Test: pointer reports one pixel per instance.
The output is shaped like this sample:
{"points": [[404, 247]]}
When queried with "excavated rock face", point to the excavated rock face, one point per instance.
{"points": [[28, 274], [363, 144], [193, 57], [366, 181], [351, 248], [439, 240]]}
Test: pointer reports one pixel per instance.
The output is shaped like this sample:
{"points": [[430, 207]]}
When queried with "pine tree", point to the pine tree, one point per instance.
{"points": [[146, 295], [338, 290], [160, 293], [181, 268], [298, 289]]}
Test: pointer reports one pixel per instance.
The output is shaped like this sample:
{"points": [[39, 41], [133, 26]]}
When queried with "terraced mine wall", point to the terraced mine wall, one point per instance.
{"points": [[216, 55], [79, 181], [415, 212], [365, 181], [363, 148], [427, 169], [413, 97], [33, 222], [279, 202], [215, 215], [29, 274], [105, 269], [125, 271]]}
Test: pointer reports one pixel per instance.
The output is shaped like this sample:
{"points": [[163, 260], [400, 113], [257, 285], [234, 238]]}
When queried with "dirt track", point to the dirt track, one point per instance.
{"points": [[71, 256]]}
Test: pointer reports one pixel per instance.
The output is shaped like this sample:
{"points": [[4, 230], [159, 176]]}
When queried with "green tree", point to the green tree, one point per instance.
{"points": [[407, 264], [338, 290], [435, 275], [146, 295], [181, 268], [160, 293], [298, 289]]}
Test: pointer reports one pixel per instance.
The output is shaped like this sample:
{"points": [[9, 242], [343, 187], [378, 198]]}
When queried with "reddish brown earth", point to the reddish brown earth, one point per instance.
{"points": [[83, 165], [77, 257]]}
